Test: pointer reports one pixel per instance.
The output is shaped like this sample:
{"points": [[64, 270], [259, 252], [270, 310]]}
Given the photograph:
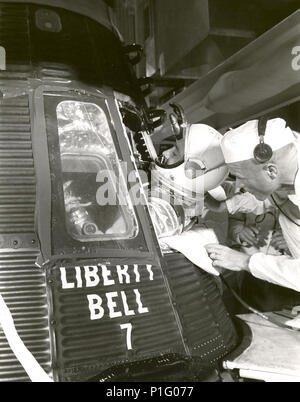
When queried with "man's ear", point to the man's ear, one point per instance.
{"points": [[271, 170]]}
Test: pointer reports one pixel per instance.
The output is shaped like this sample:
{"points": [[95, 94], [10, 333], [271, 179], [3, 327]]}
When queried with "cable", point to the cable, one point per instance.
{"points": [[260, 218], [253, 310], [285, 214]]}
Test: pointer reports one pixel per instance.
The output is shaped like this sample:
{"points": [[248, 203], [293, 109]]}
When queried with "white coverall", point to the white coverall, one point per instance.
{"points": [[281, 270]]}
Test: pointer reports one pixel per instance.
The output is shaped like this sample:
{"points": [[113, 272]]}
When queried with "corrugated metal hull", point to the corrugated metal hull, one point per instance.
{"points": [[17, 176], [184, 305], [207, 327], [22, 284], [86, 347], [23, 288]]}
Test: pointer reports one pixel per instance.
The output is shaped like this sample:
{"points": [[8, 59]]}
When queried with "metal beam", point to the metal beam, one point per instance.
{"points": [[234, 33], [259, 77]]}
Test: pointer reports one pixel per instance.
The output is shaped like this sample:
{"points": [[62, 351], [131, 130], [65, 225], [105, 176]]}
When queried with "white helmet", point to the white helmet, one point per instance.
{"points": [[202, 169]]}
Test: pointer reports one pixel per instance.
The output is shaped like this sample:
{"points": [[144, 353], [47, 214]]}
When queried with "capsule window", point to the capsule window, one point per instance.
{"points": [[96, 199]]}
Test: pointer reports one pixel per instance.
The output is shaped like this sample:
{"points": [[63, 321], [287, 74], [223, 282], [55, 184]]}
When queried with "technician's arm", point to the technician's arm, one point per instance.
{"points": [[246, 203], [280, 270]]}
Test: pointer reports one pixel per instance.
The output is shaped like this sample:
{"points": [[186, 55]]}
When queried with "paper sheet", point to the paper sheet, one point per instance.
{"points": [[191, 245], [295, 322], [274, 352]]}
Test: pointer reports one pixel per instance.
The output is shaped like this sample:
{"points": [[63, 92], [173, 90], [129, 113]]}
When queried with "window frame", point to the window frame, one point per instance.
{"points": [[149, 251]]}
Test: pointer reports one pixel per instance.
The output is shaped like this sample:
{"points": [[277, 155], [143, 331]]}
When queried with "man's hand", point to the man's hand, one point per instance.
{"points": [[249, 236], [278, 242], [243, 234], [225, 257]]}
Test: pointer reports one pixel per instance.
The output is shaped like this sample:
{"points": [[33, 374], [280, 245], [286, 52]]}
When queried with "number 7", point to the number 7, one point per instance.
{"points": [[128, 327]]}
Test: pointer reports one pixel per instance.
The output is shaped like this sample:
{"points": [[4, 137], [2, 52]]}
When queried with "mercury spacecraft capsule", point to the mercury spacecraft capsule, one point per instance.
{"points": [[84, 284]]}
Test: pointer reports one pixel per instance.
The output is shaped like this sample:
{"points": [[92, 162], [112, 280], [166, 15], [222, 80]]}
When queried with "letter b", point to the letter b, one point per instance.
{"points": [[95, 306]]}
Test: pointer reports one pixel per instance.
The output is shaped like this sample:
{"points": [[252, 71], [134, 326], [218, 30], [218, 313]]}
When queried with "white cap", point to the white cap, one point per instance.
{"points": [[238, 144]]}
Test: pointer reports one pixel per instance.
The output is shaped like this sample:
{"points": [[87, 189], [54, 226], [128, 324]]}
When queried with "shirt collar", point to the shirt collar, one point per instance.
{"points": [[295, 198]]}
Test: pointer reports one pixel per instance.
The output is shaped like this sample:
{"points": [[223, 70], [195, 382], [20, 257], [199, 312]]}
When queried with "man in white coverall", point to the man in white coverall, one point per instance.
{"points": [[278, 180]]}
